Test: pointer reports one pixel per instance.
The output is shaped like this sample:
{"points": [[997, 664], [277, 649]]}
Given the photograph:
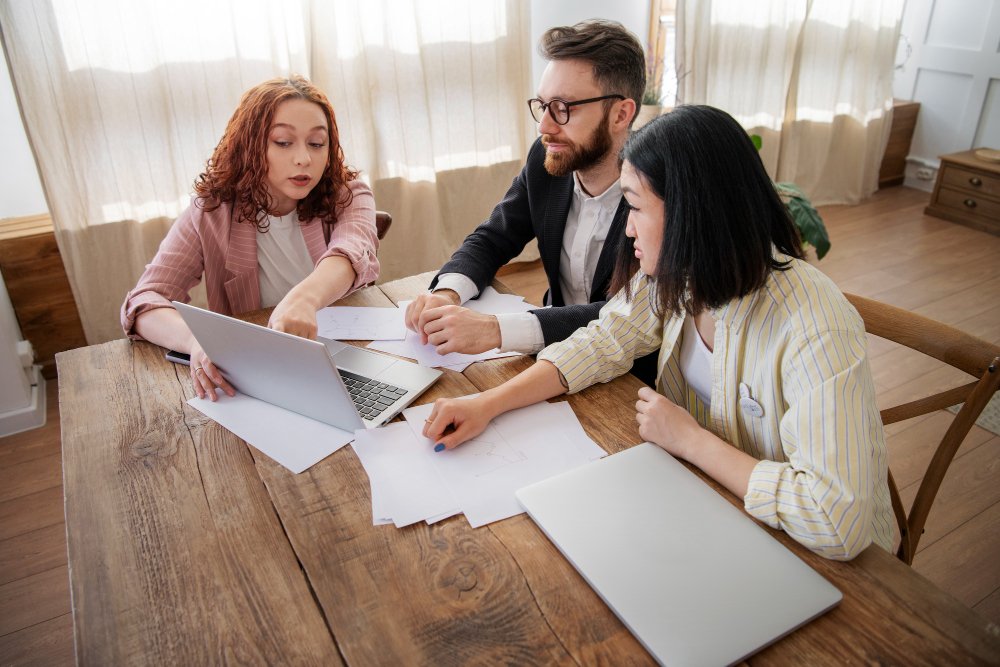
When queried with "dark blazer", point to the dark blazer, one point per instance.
{"points": [[536, 207]]}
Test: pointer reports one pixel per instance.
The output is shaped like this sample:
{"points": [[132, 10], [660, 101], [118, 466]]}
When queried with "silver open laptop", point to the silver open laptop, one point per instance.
{"points": [[691, 576], [329, 381]]}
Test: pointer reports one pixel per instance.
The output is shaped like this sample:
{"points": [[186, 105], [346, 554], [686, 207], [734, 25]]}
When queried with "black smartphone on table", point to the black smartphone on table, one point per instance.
{"points": [[178, 357]]}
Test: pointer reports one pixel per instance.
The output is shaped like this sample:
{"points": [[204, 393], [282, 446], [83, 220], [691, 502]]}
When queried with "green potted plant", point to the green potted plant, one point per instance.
{"points": [[803, 213]]}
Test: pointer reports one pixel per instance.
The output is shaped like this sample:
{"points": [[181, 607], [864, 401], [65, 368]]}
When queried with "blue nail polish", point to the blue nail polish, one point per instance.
{"points": [[439, 447]]}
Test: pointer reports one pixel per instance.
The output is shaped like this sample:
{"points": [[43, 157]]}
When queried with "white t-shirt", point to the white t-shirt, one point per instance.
{"points": [[283, 260], [696, 362]]}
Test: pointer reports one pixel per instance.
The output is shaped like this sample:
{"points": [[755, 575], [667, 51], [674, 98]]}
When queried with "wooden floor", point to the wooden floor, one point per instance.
{"points": [[885, 249]]}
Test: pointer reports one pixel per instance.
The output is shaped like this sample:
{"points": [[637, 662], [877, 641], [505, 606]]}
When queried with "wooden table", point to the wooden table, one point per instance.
{"points": [[188, 547]]}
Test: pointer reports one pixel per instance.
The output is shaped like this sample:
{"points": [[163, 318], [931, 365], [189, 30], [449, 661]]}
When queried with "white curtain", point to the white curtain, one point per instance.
{"points": [[124, 100], [812, 77]]}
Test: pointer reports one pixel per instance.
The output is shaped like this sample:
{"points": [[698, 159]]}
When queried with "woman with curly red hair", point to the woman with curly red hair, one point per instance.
{"points": [[277, 219]]}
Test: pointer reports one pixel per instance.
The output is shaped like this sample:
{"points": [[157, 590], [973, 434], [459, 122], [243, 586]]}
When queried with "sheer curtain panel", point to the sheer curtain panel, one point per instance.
{"points": [[124, 100], [812, 77]]}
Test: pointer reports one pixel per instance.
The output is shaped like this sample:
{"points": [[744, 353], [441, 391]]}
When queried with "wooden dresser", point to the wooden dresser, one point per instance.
{"points": [[39, 290], [904, 118], [967, 191]]}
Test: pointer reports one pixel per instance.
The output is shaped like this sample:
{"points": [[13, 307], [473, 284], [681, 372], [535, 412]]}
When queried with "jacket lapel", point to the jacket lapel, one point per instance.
{"points": [[313, 235], [242, 286]]}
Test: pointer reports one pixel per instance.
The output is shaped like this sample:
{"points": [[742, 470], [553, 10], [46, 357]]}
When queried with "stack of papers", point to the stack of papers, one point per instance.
{"points": [[489, 302], [411, 482]]}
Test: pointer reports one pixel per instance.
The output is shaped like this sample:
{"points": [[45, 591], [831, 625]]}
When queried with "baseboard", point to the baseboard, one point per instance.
{"points": [[32, 416]]}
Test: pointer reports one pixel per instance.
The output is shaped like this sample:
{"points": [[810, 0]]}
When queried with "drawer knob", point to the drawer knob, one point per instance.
{"points": [[971, 203], [976, 181]]}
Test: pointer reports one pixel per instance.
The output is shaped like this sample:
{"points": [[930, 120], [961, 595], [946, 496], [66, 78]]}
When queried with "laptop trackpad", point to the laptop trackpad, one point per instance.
{"points": [[362, 362]]}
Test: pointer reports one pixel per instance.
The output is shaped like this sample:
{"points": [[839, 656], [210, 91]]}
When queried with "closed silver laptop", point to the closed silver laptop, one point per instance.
{"points": [[691, 576], [329, 381]]}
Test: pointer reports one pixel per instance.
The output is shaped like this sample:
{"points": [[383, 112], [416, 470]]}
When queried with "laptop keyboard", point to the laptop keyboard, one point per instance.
{"points": [[371, 397]]}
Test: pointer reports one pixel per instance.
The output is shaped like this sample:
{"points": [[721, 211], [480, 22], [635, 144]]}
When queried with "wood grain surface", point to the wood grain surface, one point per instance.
{"points": [[176, 554], [188, 547]]}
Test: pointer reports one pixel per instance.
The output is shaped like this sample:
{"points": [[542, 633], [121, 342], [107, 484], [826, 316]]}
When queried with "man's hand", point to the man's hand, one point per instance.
{"points": [[457, 329], [415, 310]]}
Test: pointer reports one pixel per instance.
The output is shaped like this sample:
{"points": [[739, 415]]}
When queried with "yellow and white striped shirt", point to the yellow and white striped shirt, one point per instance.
{"points": [[800, 347]]}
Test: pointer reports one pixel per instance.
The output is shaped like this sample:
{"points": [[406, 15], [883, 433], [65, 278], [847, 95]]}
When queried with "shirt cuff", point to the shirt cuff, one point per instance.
{"points": [[520, 332], [761, 500], [461, 285]]}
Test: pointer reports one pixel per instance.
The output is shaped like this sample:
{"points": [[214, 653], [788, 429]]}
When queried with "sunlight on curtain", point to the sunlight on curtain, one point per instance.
{"points": [[445, 95], [124, 101], [254, 30], [430, 103], [812, 77]]}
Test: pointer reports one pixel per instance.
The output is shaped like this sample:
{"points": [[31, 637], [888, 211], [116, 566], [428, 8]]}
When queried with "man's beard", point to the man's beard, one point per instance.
{"points": [[577, 156]]}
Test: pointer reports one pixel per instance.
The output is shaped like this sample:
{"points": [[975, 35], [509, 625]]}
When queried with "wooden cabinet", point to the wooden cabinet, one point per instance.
{"points": [[967, 191], [39, 290], [904, 118]]}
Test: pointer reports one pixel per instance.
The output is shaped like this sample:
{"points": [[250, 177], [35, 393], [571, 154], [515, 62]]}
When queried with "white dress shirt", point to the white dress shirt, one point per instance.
{"points": [[587, 226]]}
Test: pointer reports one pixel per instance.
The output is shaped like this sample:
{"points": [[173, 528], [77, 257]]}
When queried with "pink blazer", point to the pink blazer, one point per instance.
{"points": [[225, 252]]}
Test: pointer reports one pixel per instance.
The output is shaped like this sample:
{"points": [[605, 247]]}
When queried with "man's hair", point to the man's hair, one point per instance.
{"points": [[722, 216], [617, 56], [237, 171]]}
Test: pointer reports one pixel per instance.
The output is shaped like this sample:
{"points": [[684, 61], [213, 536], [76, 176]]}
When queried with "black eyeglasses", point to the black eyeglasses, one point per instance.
{"points": [[559, 109]]}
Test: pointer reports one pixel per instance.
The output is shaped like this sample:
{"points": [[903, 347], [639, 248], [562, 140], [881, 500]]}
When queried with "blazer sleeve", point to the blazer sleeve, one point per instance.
{"points": [[501, 238], [174, 271], [355, 237], [558, 323]]}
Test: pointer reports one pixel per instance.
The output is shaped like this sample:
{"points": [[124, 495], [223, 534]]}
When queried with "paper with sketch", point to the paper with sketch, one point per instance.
{"points": [[361, 323], [426, 355], [491, 302], [402, 477], [516, 449], [294, 441]]}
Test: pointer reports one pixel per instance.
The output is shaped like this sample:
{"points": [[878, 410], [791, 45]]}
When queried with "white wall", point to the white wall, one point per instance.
{"points": [[954, 72], [20, 195], [545, 14], [20, 187]]}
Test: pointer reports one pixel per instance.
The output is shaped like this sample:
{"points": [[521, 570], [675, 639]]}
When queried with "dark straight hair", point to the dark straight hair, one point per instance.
{"points": [[722, 215], [616, 55]]}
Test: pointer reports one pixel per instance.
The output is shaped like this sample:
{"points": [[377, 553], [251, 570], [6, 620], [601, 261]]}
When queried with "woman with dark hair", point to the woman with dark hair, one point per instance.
{"points": [[763, 377], [277, 220]]}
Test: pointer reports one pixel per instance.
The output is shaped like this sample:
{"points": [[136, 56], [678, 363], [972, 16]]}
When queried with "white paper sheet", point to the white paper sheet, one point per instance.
{"points": [[493, 302], [518, 448], [402, 476], [294, 441], [361, 323], [426, 355]]}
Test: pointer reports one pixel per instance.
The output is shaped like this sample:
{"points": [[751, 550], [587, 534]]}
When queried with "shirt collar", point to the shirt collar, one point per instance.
{"points": [[736, 311], [612, 195]]}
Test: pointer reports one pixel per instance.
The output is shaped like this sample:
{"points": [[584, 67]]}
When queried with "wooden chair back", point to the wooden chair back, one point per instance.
{"points": [[974, 356], [383, 221]]}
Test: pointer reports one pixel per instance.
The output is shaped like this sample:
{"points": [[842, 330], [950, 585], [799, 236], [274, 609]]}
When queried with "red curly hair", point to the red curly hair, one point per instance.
{"points": [[237, 171]]}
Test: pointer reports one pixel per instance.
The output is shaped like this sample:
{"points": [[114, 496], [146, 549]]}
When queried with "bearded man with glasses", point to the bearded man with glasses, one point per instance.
{"points": [[567, 196]]}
